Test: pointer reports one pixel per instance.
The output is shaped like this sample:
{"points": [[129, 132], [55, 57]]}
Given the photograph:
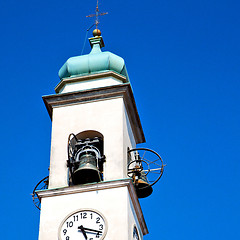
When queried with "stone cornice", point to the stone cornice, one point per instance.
{"points": [[98, 187], [88, 77], [99, 94]]}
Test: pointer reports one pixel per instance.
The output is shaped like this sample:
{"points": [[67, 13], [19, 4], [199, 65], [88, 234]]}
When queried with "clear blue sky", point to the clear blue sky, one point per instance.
{"points": [[183, 61]]}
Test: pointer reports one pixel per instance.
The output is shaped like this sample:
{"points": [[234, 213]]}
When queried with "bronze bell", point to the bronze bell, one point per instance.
{"points": [[87, 171], [143, 188]]}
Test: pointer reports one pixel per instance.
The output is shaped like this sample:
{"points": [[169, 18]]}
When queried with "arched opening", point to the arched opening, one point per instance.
{"points": [[89, 134], [85, 157], [92, 134]]}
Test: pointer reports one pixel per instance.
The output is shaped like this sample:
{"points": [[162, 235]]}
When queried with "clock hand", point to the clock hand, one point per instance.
{"points": [[83, 231], [92, 230]]}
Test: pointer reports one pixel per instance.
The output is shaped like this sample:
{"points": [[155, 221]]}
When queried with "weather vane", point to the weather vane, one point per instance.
{"points": [[97, 14]]}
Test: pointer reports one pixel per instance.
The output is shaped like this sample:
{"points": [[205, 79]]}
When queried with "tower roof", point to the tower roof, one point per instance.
{"points": [[94, 62]]}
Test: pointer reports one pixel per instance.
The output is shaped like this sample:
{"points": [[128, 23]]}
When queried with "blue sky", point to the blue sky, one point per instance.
{"points": [[183, 62]]}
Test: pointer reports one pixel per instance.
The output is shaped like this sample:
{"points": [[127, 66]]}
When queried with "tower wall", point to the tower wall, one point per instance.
{"points": [[107, 117], [115, 200]]}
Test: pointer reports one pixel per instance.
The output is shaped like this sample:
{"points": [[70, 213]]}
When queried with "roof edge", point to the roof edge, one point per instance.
{"points": [[98, 94]]}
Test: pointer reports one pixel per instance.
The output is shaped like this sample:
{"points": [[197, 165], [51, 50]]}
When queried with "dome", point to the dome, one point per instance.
{"points": [[94, 62]]}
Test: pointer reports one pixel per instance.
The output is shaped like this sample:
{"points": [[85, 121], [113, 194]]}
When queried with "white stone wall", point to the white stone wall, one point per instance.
{"points": [[107, 117], [114, 204], [89, 84]]}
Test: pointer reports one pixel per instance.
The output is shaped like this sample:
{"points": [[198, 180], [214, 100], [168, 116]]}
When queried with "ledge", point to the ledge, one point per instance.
{"points": [[98, 94], [88, 77], [98, 187]]}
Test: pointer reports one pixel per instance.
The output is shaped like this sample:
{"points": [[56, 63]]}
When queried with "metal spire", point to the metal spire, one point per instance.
{"points": [[97, 14]]}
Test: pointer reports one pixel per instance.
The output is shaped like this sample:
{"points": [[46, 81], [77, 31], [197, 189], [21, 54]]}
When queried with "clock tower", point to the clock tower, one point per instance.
{"points": [[94, 124], [96, 174]]}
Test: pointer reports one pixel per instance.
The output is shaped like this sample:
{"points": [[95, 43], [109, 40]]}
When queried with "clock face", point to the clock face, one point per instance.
{"points": [[83, 225], [135, 234]]}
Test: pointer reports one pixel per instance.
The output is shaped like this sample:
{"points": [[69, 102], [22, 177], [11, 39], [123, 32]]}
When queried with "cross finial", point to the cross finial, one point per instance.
{"points": [[97, 14]]}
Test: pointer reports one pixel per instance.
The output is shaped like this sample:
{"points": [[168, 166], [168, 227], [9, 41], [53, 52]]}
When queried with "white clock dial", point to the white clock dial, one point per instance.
{"points": [[83, 225]]}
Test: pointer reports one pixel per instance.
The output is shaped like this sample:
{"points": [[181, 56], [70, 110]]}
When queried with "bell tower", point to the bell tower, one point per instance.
{"points": [[96, 173]]}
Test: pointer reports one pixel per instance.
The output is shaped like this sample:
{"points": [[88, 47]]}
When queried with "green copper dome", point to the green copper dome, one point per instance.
{"points": [[94, 62]]}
